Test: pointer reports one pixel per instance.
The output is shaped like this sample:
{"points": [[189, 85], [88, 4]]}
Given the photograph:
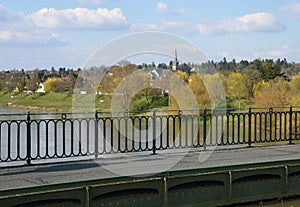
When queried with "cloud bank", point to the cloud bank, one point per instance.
{"points": [[256, 22], [291, 11], [80, 18]]}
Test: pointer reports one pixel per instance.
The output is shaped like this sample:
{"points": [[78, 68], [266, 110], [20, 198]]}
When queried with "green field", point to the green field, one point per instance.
{"points": [[63, 102], [39, 101]]}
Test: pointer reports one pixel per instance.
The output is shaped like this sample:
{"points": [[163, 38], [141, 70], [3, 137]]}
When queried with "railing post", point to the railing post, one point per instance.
{"points": [[154, 133], [290, 125], [204, 128], [28, 153], [249, 126], [96, 134]]}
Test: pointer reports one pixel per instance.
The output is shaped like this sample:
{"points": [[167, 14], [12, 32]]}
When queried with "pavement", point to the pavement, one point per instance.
{"points": [[139, 164]]}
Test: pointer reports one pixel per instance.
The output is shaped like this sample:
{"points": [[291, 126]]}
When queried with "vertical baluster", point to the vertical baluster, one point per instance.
{"points": [[140, 133], [204, 128], [270, 124], [96, 134], [255, 128], [119, 134], [133, 135], [280, 126], [47, 139], [126, 131], [198, 129], [168, 132], [18, 140], [192, 131], [290, 125], [186, 118], [112, 134], [63, 116], [28, 156], [249, 126], [161, 132], [154, 133], [232, 129], [180, 128], [72, 137]]}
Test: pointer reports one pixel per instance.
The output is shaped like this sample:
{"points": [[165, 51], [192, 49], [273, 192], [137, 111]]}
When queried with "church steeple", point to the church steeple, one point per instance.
{"points": [[175, 63]]}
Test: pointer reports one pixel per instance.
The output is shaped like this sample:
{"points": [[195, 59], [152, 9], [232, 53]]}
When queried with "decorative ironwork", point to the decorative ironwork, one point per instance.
{"points": [[27, 137]]}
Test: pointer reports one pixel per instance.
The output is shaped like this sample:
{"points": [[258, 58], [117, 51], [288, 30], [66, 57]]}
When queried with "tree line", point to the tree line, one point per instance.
{"points": [[263, 82]]}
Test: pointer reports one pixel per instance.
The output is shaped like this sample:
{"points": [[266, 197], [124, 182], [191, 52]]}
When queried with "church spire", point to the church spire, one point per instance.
{"points": [[175, 63]]}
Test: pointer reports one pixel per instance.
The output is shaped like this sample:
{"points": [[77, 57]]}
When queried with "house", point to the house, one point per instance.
{"points": [[41, 88]]}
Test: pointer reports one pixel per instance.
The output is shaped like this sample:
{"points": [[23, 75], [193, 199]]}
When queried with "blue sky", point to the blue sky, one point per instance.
{"points": [[64, 33]]}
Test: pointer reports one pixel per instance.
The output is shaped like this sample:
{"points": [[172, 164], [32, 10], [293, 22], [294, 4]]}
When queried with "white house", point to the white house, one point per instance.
{"points": [[41, 88]]}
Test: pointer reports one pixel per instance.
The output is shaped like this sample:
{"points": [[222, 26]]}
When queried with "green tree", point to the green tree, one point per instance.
{"points": [[269, 70], [250, 78]]}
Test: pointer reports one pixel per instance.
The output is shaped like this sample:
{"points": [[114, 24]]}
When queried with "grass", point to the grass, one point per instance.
{"points": [[64, 101], [39, 101]]}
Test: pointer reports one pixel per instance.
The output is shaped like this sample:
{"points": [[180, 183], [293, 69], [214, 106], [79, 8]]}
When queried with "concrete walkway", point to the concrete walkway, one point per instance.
{"points": [[137, 164]]}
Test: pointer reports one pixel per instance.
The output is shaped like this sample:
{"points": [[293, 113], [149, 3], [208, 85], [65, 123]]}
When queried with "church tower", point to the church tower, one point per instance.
{"points": [[175, 63]]}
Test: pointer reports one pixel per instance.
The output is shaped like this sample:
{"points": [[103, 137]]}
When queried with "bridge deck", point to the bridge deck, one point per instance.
{"points": [[117, 165]]}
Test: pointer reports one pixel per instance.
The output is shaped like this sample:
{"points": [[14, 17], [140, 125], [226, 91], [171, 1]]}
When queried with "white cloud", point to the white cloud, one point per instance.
{"points": [[167, 26], [252, 53], [162, 7], [291, 10], [257, 22], [12, 20], [77, 18], [32, 38], [280, 52], [80, 18]]}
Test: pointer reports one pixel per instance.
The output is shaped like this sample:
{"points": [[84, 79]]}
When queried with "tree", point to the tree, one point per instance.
{"points": [[251, 77], [236, 88], [10, 84], [58, 86], [19, 81], [48, 84], [183, 76], [32, 82], [216, 87], [274, 93], [295, 89], [199, 90], [269, 71]]}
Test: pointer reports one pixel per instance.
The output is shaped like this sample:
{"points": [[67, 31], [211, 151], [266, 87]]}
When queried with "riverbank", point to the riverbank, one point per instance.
{"points": [[63, 102], [53, 102]]}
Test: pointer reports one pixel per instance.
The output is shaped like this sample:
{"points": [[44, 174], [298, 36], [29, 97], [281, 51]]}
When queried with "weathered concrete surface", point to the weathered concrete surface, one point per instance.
{"points": [[135, 164]]}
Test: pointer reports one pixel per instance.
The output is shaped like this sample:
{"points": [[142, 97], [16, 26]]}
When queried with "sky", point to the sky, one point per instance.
{"points": [[65, 33]]}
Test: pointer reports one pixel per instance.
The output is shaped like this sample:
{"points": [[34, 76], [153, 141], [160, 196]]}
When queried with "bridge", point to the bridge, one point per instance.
{"points": [[226, 177], [226, 169]]}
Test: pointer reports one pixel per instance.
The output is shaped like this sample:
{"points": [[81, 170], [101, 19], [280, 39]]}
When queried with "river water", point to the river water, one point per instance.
{"points": [[53, 136]]}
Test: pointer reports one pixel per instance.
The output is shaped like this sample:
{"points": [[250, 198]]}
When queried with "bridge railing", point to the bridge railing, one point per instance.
{"points": [[27, 137]]}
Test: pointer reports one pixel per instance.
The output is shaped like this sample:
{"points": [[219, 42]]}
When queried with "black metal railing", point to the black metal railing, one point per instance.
{"points": [[27, 137]]}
